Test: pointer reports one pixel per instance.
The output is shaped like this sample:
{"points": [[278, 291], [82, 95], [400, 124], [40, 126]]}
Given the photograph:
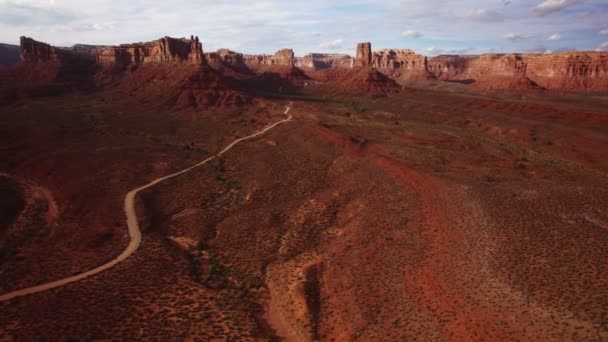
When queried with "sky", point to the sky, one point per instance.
{"points": [[429, 27]]}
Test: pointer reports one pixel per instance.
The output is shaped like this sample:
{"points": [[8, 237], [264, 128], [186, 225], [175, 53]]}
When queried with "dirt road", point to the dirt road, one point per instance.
{"points": [[132, 223]]}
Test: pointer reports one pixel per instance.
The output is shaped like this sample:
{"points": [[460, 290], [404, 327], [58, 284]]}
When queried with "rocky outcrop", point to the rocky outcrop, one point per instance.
{"points": [[9, 55], [490, 71], [321, 61], [403, 65], [33, 51], [450, 67], [364, 55], [283, 57], [569, 70], [225, 57], [167, 49]]}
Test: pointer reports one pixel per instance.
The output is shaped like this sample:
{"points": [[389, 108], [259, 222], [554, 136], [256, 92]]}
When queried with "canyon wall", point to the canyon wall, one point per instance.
{"points": [[320, 61], [401, 64], [225, 57], [33, 51], [283, 57], [167, 49], [567, 70], [474, 67], [364, 55]]}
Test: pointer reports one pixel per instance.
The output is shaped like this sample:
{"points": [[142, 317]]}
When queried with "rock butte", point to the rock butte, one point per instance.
{"points": [[320, 61], [567, 70]]}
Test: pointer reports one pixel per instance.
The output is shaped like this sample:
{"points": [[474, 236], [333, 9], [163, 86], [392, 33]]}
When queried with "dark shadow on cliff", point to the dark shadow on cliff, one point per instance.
{"points": [[467, 81]]}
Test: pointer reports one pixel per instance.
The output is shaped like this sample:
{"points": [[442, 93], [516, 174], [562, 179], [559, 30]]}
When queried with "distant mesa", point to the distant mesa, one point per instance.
{"points": [[9, 55], [567, 70], [166, 49], [321, 61]]}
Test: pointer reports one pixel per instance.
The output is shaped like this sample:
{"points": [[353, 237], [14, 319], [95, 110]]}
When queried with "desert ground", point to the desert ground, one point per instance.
{"points": [[422, 213]]}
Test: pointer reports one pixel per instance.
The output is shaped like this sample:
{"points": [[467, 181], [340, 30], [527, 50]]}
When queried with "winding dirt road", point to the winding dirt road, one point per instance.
{"points": [[134, 231]]}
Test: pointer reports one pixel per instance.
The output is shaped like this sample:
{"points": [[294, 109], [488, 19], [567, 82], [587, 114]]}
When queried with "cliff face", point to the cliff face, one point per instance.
{"points": [[320, 61], [364, 55], [33, 51], [401, 64], [225, 56], [283, 57], [450, 67], [569, 70], [491, 71], [166, 49]]}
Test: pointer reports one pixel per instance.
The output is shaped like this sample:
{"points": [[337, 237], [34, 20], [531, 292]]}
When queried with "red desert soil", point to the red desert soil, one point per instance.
{"points": [[438, 213]]}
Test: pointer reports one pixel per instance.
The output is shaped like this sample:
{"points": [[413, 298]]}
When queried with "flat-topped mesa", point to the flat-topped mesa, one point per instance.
{"points": [[167, 49], [499, 65], [224, 56], [450, 67], [283, 57], [396, 59], [33, 51], [364, 55], [402, 65], [319, 61], [569, 70]]}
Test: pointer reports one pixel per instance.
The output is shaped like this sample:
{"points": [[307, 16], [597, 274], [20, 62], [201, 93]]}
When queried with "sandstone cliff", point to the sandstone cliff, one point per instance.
{"points": [[283, 57], [33, 51], [167, 49], [364, 55], [403, 65], [320, 61], [225, 57], [569, 70], [490, 71]]}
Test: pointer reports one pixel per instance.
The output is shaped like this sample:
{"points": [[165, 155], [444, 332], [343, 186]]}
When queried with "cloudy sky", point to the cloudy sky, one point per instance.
{"points": [[427, 26]]}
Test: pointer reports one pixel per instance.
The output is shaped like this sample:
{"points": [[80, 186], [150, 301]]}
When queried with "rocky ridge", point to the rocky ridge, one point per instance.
{"points": [[320, 61], [565, 71], [166, 49]]}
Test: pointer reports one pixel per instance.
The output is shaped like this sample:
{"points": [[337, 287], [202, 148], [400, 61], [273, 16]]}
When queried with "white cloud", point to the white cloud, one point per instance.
{"points": [[433, 51], [333, 45], [551, 6], [484, 15], [514, 36], [266, 26], [602, 47], [411, 34], [604, 32], [555, 36]]}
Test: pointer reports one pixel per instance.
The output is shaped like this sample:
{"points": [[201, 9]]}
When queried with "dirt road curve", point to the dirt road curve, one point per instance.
{"points": [[134, 231]]}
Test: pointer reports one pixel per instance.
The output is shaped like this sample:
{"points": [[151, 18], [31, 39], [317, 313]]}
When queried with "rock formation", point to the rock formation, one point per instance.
{"points": [[320, 61], [569, 70], [166, 49], [283, 57], [404, 65], [490, 71], [364, 55], [450, 67], [226, 57], [33, 51]]}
